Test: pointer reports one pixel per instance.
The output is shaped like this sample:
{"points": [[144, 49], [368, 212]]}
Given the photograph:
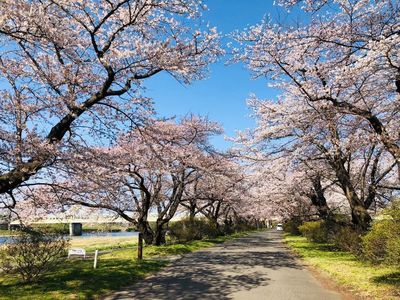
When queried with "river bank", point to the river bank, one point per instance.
{"points": [[4, 238]]}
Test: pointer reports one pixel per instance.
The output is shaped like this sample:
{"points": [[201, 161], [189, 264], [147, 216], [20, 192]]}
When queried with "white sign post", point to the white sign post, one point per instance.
{"points": [[77, 251], [95, 259]]}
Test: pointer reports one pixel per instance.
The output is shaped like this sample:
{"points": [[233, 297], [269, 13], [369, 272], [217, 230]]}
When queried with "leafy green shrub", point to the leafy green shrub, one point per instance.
{"points": [[315, 231], [374, 243], [239, 226], [393, 250], [346, 238], [292, 226], [33, 253], [188, 230], [382, 243]]}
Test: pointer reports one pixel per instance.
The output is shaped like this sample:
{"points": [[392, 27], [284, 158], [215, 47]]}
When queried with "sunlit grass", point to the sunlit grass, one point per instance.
{"points": [[78, 280], [364, 279], [4, 232], [103, 242]]}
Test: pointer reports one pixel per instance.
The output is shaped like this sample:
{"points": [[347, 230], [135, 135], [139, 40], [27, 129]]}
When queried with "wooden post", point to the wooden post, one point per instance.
{"points": [[95, 259], [140, 247]]}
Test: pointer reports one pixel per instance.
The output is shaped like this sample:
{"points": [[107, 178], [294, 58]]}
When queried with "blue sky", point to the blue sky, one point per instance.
{"points": [[222, 96]]}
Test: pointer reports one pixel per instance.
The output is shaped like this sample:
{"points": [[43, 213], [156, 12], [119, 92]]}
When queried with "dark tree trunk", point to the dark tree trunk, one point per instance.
{"points": [[228, 223], [159, 238], [147, 232], [192, 213], [318, 199], [359, 214], [216, 225], [360, 217]]}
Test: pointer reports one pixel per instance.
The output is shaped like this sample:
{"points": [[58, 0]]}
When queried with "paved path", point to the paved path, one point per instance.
{"points": [[254, 267]]}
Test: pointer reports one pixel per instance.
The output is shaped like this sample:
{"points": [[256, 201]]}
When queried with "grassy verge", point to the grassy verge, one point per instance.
{"points": [[76, 279], [4, 232], [362, 278]]}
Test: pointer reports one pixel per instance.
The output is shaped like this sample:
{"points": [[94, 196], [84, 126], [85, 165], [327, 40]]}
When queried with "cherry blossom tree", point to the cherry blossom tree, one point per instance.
{"points": [[148, 170], [71, 73], [347, 59], [339, 80], [316, 146], [276, 190], [217, 192]]}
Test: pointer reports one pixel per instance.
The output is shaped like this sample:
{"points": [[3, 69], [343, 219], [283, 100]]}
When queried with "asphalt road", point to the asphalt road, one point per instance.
{"points": [[253, 267]]}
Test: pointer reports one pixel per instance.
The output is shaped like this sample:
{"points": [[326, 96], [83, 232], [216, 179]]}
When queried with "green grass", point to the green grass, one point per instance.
{"points": [[103, 242], [362, 278], [76, 279], [4, 232]]}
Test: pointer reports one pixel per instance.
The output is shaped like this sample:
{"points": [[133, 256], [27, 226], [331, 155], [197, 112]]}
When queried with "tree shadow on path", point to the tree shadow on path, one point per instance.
{"points": [[215, 273]]}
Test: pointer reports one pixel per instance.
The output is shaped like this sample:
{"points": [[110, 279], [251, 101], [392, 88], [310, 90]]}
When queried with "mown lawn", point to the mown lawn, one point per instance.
{"points": [[361, 278], [117, 267]]}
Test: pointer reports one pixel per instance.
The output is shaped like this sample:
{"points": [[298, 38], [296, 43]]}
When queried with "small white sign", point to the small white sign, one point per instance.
{"points": [[77, 251]]}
